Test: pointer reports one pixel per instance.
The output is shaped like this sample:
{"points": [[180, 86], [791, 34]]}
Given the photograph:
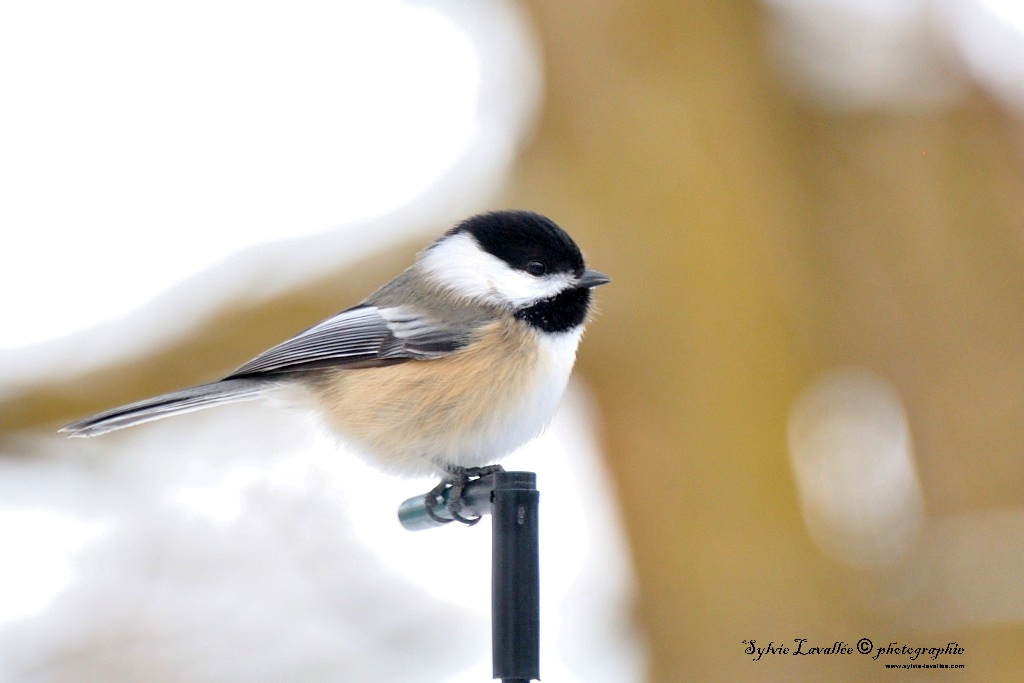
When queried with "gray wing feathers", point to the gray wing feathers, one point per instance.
{"points": [[355, 334], [195, 398], [415, 336], [361, 337]]}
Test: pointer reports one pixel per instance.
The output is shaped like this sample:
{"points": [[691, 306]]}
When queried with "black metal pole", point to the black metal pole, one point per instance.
{"points": [[511, 498], [515, 578]]}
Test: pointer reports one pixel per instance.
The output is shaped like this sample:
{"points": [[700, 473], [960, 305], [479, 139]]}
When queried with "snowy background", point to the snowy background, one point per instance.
{"points": [[158, 163]]}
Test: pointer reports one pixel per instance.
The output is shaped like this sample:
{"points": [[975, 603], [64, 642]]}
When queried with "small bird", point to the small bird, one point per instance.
{"points": [[447, 368]]}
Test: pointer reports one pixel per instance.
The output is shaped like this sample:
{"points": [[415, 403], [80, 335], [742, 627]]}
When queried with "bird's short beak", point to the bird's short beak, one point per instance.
{"points": [[592, 278]]}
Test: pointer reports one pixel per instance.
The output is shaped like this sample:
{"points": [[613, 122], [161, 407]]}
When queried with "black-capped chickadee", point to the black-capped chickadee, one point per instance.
{"points": [[455, 363]]}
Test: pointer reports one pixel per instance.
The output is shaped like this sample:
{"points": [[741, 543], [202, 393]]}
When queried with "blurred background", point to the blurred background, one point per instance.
{"points": [[798, 414]]}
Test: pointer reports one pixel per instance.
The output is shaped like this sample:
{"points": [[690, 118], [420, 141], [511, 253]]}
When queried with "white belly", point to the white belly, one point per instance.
{"points": [[468, 409]]}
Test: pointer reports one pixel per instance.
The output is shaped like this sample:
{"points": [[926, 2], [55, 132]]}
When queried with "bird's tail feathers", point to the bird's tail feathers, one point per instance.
{"points": [[158, 407]]}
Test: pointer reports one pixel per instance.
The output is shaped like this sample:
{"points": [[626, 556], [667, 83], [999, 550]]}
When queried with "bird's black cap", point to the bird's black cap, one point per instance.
{"points": [[522, 238]]}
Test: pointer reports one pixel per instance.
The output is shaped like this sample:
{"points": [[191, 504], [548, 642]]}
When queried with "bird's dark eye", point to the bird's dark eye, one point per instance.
{"points": [[536, 268]]}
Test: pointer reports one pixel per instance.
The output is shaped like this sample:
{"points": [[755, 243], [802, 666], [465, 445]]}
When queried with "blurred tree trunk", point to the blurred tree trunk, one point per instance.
{"points": [[753, 242]]}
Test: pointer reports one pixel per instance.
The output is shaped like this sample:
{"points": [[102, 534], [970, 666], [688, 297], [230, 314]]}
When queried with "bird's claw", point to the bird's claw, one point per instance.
{"points": [[456, 480]]}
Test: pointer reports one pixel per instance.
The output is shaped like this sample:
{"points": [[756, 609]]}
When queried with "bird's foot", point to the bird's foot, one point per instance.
{"points": [[456, 480]]}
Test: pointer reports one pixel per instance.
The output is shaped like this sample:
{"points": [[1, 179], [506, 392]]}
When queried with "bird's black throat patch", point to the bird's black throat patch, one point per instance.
{"points": [[559, 313]]}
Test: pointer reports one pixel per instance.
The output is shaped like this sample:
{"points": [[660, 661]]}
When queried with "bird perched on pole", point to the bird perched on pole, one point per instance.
{"points": [[450, 366]]}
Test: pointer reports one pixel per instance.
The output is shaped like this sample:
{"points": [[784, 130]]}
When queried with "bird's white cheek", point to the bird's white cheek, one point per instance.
{"points": [[460, 264]]}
